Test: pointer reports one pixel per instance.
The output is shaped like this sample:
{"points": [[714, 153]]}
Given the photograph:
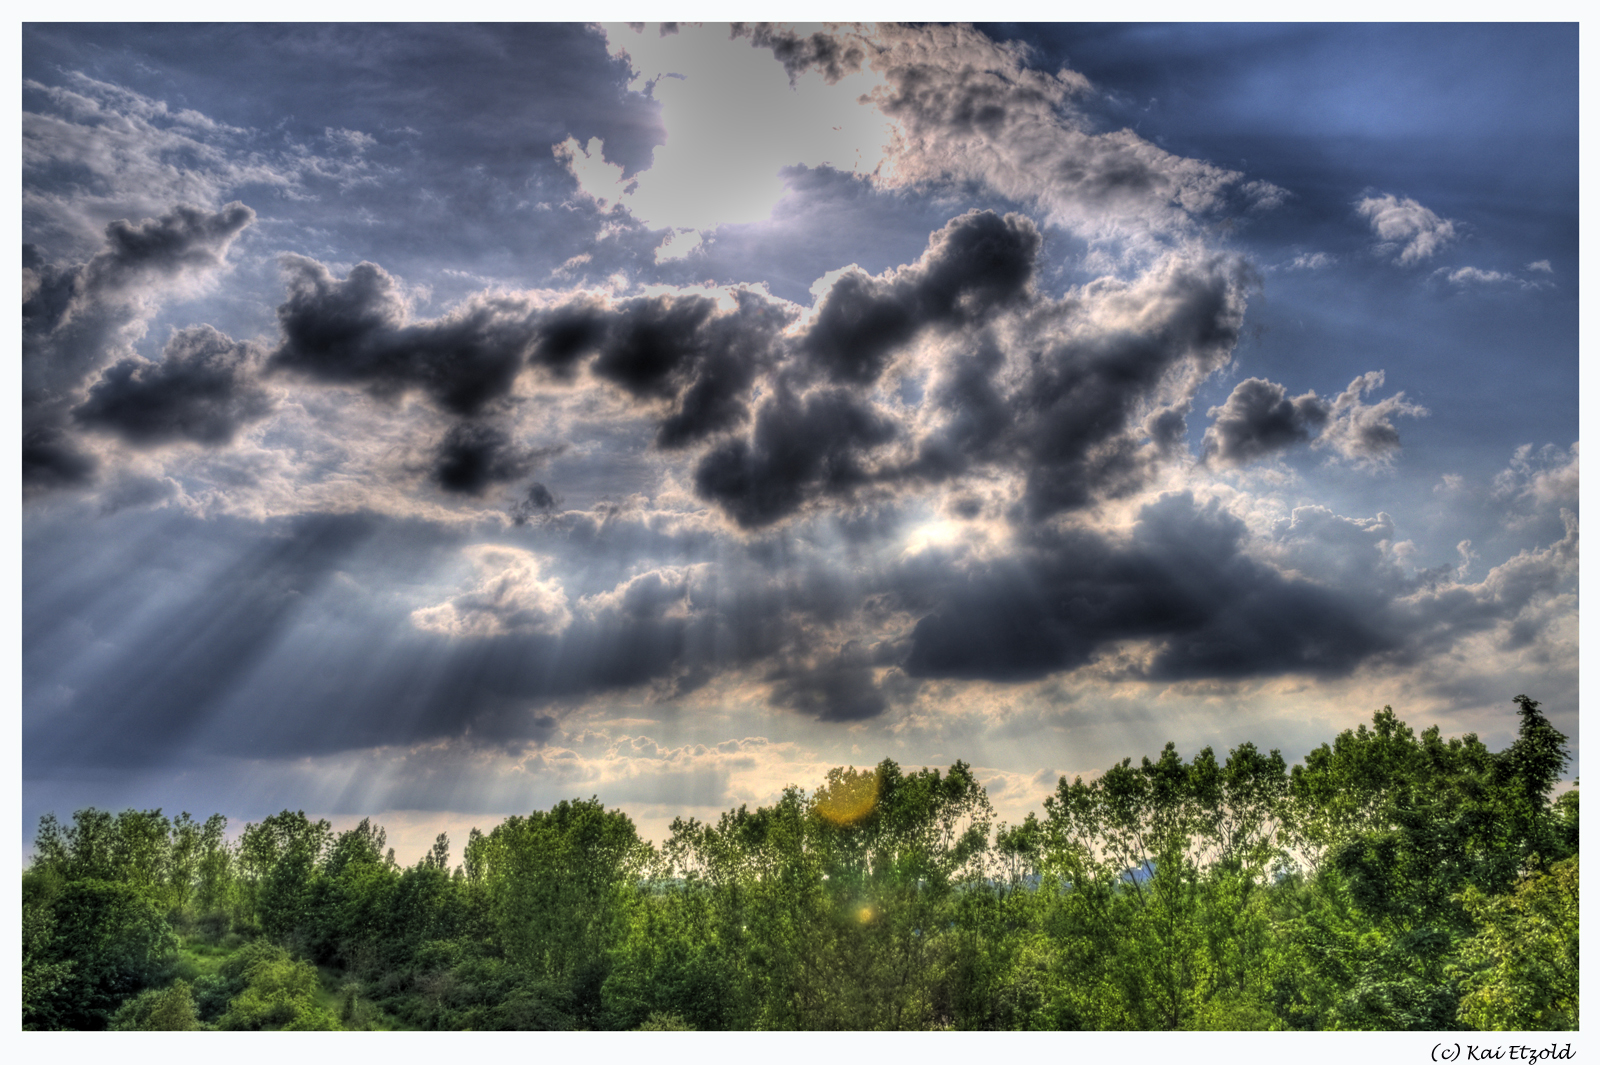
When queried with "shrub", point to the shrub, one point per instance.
{"points": [[169, 1009]]}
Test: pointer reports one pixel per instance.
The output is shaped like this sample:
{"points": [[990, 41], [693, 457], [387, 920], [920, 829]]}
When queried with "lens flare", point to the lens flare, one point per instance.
{"points": [[848, 796]]}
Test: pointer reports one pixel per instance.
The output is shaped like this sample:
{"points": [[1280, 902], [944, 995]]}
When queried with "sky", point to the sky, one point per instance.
{"points": [[434, 423]]}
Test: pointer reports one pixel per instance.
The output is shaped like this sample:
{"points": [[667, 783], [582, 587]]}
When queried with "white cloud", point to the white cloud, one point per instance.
{"points": [[1547, 476], [1314, 261], [1407, 230], [1365, 432], [658, 593], [1471, 275], [509, 599], [1265, 196], [968, 109], [352, 139], [138, 157]]}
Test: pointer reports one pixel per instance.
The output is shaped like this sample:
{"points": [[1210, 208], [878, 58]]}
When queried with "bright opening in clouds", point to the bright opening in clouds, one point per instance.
{"points": [[432, 423], [732, 120]]}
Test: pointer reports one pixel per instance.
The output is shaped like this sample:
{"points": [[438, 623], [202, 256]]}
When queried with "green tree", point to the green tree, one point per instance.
{"points": [[1524, 774], [833, 910], [45, 975], [1522, 966], [1435, 817], [670, 962], [118, 943], [215, 869], [183, 862], [1160, 868], [350, 907], [140, 852], [282, 855], [439, 856], [892, 871], [1348, 788], [559, 882]]}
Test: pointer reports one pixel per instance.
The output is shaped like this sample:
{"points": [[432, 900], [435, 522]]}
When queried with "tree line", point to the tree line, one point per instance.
{"points": [[1390, 881]]}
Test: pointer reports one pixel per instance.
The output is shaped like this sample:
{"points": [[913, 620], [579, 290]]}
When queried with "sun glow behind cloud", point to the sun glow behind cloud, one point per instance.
{"points": [[733, 123]]}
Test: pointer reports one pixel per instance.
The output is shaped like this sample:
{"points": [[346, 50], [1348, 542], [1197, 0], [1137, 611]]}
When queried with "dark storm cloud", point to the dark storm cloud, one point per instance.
{"points": [[1321, 597], [977, 412], [77, 318], [1064, 406], [1183, 580], [697, 360], [799, 54], [537, 504], [976, 265], [805, 446], [1076, 424], [649, 343], [184, 239], [568, 333], [1067, 404], [1258, 419], [801, 448], [837, 688], [474, 456], [50, 459], [355, 331], [681, 354], [1062, 396], [203, 390]]}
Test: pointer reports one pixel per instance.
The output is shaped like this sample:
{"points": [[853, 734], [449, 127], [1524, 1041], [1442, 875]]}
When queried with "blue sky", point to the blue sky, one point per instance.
{"points": [[434, 423]]}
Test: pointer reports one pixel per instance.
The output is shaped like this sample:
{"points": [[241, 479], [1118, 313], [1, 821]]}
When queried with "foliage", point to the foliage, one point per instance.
{"points": [[1523, 963], [116, 942], [1168, 859], [169, 1009], [1392, 880], [557, 883], [277, 994], [45, 977]]}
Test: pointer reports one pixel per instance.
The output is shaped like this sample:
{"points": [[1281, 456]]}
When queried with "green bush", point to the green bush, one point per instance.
{"points": [[169, 1009], [118, 944], [279, 995]]}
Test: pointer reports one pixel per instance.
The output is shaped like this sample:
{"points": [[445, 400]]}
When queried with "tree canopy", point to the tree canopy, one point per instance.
{"points": [[1389, 880]]}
